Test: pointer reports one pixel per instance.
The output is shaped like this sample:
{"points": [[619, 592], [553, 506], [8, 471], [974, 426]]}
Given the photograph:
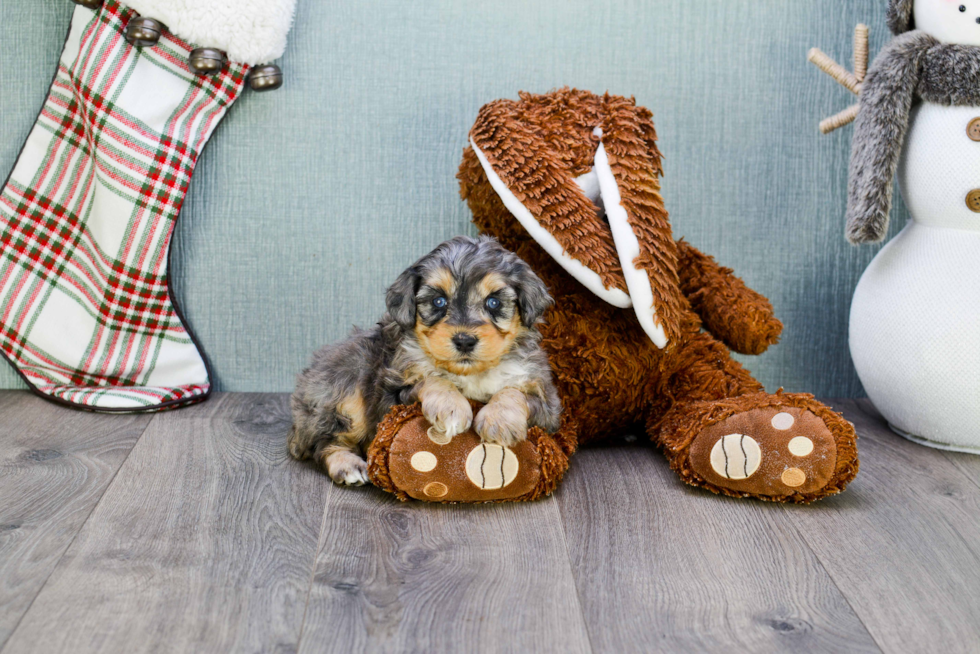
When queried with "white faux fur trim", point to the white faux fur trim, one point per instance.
{"points": [[587, 277], [628, 247], [249, 31]]}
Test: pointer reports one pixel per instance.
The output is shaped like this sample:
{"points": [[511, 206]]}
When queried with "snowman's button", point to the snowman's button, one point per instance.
{"points": [[973, 129], [973, 200]]}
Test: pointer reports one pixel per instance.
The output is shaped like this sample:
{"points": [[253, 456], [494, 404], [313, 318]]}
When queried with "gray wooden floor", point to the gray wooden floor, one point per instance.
{"points": [[192, 531]]}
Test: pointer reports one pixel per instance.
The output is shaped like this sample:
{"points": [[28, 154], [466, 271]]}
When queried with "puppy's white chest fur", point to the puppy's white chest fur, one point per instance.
{"points": [[482, 386]]}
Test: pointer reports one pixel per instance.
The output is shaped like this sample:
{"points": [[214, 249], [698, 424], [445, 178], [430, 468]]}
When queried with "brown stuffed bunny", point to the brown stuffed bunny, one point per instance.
{"points": [[569, 181]]}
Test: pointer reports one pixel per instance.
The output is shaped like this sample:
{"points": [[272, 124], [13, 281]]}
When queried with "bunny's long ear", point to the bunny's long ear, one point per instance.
{"points": [[627, 166]]}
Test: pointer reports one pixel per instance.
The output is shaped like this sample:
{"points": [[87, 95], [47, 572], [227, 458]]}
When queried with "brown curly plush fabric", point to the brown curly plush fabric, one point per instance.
{"points": [[713, 291], [611, 376]]}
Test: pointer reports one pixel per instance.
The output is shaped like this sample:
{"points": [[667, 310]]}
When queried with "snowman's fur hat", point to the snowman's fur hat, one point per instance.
{"points": [[900, 16]]}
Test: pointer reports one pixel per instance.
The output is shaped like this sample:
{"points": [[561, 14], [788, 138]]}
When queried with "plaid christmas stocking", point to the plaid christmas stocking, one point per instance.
{"points": [[86, 216]]}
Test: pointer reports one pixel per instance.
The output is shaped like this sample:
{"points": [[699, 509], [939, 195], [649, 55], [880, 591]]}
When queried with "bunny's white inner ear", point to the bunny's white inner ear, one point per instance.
{"points": [[628, 247], [587, 277]]}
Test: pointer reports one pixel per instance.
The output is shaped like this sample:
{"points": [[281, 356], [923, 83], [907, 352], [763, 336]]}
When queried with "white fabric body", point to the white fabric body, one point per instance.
{"points": [[915, 316], [249, 31]]}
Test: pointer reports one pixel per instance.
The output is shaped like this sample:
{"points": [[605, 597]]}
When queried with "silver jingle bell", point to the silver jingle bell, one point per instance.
{"points": [[207, 61], [144, 32], [89, 4], [265, 78]]}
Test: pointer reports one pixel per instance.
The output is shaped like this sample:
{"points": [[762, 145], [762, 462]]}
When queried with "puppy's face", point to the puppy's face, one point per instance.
{"points": [[467, 302], [466, 323]]}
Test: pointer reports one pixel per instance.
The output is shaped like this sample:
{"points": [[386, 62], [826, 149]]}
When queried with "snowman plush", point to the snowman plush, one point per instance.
{"points": [[915, 316]]}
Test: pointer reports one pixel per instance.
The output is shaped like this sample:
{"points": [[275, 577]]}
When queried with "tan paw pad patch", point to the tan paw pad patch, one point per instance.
{"points": [[793, 477], [435, 489], [424, 461], [736, 456], [800, 446], [782, 421], [438, 437], [491, 466]]}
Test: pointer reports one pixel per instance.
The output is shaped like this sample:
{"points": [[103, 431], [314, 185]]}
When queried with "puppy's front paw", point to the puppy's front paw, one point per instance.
{"points": [[448, 412], [503, 421], [347, 469]]}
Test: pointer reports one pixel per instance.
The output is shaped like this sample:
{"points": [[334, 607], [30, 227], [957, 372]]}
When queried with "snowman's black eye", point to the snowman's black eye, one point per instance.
{"points": [[962, 8]]}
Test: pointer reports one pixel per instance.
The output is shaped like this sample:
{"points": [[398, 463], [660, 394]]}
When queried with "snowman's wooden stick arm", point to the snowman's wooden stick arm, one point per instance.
{"points": [[851, 81], [846, 117], [860, 51], [843, 77]]}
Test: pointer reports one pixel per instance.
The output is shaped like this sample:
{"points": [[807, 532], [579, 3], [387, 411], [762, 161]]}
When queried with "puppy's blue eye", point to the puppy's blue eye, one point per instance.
{"points": [[493, 303], [439, 303]]}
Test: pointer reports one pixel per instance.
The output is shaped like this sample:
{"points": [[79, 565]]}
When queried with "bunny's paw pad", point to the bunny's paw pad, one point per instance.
{"points": [[768, 451]]}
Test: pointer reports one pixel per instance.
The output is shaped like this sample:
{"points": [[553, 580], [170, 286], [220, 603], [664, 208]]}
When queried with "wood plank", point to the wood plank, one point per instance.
{"points": [[903, 543], [204, 542], [968, 464], [397, 577], [55, 464], [661, 566]]}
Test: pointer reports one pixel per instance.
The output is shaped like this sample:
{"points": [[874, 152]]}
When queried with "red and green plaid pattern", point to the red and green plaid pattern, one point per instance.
{"points": [[87, 215]]}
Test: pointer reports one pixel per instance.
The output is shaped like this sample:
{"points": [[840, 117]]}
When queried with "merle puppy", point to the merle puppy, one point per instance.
{"points": [[460, 326]]}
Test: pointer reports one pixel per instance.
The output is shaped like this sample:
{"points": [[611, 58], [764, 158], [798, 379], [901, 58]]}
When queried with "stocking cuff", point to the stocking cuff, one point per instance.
{"points": [[249, 31]]}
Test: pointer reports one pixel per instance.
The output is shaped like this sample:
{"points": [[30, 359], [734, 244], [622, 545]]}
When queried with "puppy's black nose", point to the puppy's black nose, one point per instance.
{"points": [[465, 342]]}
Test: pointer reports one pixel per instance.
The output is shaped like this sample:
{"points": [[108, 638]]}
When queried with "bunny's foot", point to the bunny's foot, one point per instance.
{"points": [[783, 448], [412, 460]]}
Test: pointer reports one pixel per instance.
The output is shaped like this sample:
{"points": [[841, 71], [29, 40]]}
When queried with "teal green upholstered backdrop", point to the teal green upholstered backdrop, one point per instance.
{"points": [[309, 200]]}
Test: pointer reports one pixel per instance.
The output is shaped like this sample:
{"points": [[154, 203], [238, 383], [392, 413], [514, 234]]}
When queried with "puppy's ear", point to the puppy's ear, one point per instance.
{"points": [[533, 298], [401, 298]]}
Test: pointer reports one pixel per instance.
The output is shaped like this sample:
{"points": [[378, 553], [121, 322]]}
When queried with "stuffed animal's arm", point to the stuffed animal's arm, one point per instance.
{"points": [[742, 318]]}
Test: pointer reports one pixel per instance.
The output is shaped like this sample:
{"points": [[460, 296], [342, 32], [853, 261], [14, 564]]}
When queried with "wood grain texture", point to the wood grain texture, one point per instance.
{"points": [[663, 567], [55, 464], [394, 577], [968, 464], [903, 543], [204, 542]]}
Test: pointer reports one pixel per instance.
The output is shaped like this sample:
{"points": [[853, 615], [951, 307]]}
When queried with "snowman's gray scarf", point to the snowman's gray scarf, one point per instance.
{"points": [[912, 65]]}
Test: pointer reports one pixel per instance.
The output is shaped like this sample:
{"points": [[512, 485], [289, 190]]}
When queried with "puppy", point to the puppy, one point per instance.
{"points": [[460, 325]]}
